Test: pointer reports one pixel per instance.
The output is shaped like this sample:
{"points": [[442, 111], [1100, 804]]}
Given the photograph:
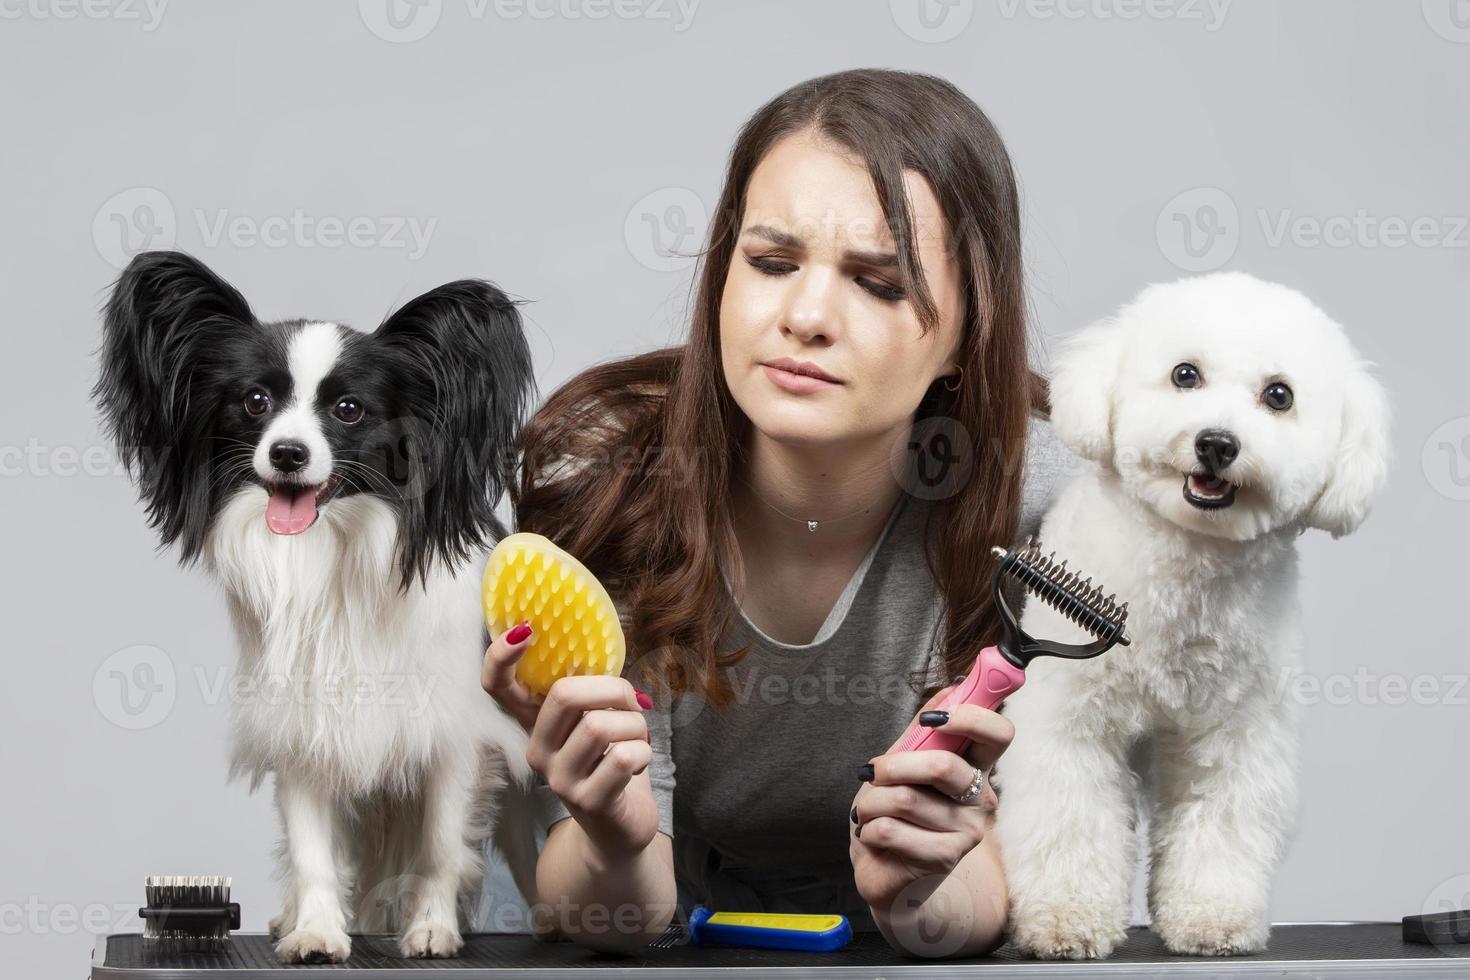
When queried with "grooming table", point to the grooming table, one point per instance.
{"points": [[1298, 949]]}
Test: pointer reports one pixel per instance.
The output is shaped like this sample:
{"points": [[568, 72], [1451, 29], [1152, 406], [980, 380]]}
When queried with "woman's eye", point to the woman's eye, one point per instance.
{"points": [[1278, 397], [881, 289], [1185, 375], [348, 410], [257, 402], [771, 267]]}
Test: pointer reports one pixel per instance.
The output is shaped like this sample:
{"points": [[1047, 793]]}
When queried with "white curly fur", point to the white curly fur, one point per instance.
{"points": [[1190, 720]]}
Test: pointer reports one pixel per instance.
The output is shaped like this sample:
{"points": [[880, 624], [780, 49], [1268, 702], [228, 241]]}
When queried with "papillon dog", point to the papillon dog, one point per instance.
{"points": [[342, 487]]}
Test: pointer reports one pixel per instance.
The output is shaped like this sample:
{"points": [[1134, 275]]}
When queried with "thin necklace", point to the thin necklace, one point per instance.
{"points": [[810, 524]]}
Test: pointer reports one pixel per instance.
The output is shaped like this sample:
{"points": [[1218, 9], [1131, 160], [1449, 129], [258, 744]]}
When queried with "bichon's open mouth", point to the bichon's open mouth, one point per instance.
{"points": [[293, 507], [1208, 491]]}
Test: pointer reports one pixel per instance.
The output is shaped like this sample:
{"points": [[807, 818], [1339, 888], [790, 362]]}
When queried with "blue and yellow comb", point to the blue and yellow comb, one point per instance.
{"points": [[771, 930]]}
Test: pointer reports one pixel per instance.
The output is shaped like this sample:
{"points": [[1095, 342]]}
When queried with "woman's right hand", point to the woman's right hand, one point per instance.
{"points": [[589, 742], [908, 825]]}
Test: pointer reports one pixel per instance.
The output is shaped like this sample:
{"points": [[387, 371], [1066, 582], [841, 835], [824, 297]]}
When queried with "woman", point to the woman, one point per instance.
{"points": [[793, 513]]}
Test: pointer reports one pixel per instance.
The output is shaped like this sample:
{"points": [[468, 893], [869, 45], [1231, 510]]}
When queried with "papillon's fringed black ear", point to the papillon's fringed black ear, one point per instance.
{"points": [[162, 328], [465, 374]]}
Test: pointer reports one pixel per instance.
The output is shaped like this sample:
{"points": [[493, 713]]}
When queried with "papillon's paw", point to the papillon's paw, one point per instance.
{"points": [[431, 940], [281, 924], [314, 945], [1202, 927], [1067, 932]]}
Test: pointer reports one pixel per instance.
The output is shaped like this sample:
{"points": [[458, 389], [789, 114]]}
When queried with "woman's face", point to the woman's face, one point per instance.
{"points": [[815, 281]]}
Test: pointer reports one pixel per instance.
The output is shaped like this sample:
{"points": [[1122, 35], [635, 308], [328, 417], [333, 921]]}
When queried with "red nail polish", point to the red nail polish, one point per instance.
{"points": [[644, 701], [518, 634]]}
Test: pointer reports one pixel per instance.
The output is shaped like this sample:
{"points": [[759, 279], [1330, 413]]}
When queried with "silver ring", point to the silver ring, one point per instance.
{"points": [[977, 786]]}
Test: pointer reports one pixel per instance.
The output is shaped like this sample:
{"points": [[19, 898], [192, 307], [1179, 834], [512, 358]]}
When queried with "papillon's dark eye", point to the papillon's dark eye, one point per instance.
{"points": [[257, 402], [348, 410], [1277, 397], [1185, 375]]}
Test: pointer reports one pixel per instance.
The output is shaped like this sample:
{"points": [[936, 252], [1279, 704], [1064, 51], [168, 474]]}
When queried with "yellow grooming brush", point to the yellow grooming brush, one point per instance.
{"points": [[575, 628]]}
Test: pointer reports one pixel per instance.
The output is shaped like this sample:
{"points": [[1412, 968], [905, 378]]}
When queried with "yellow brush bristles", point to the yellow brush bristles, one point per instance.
{"points": [[575, 628]]}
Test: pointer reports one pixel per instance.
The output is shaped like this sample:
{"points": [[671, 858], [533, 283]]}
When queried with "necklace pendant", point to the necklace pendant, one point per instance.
{"points": [[811, 526]]}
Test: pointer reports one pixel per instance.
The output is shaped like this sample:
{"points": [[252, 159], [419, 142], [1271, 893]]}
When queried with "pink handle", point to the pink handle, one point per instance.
{"points": [[989, 682]]}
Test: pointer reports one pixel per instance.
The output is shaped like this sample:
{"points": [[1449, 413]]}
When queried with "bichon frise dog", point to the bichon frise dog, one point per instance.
{"points": [[1226, 415]]}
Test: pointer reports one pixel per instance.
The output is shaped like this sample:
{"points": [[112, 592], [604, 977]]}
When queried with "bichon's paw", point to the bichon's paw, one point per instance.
{"points": [[1067, 932], [281, 924], [312, 945], [431, 940], [1205, 928]]}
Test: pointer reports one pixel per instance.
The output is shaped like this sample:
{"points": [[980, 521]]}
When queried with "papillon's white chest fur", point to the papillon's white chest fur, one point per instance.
{"points": [[365, 703]]}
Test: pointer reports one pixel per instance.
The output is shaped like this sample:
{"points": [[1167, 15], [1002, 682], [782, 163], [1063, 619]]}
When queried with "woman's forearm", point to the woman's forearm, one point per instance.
{"points": [[613, 903], [964, 916]]}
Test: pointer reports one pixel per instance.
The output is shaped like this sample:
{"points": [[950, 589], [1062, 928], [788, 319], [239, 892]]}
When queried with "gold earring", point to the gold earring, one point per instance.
{"points": [[959, 378]]}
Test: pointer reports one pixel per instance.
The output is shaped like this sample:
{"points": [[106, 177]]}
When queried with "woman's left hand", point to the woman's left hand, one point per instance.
{"points": [[908, 823]]}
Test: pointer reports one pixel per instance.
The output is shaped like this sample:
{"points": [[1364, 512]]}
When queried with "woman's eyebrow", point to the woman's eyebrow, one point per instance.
{"points": [[881, 260], [775, 235]]}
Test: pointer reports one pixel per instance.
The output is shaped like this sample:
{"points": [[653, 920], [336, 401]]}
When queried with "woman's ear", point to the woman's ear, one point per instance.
{"points": [[1363, 453], [1083, 380]]}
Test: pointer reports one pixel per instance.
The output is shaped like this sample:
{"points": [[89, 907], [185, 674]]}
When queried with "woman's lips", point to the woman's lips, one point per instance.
{"points": [[797, 384]]}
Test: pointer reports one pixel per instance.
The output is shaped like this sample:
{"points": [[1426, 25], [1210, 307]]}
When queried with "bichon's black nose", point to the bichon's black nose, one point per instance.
{"points": [[1216, 448], [288, 457]]}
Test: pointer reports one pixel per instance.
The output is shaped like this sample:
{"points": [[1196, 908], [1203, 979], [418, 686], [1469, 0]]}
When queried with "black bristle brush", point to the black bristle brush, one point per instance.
{"points": [[188, 913]]}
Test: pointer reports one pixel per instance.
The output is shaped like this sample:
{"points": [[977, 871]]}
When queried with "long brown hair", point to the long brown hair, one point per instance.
{"points": [[629, 464]]}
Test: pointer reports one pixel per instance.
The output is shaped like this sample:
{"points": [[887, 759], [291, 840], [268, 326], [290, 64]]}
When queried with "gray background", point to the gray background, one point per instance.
{"points": [[564, 155]]}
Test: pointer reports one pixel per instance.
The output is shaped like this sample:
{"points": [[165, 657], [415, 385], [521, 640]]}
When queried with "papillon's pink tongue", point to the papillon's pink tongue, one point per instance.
{"points": [[291, 509]]}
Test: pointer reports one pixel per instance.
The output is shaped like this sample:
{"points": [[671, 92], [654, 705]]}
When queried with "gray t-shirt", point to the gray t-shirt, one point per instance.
{"points": [[760, 821]]}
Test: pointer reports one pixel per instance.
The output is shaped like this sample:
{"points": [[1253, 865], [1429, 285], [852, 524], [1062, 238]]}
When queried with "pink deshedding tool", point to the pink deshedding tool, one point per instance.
{"points": [[1000, 670]]}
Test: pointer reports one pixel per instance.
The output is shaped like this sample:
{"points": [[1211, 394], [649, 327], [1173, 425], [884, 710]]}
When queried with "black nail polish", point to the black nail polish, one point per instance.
{"points": [[853, 815], [865, 773], [859, 831], [933, 719]]}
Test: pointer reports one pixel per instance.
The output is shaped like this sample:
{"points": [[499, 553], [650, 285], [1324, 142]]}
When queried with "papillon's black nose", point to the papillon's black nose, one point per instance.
{"points": [[1216, 448], [288, 457]]}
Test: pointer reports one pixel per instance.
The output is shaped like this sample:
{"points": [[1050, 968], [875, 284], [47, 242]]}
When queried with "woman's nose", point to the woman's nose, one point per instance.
{"points": [[810, 314]]}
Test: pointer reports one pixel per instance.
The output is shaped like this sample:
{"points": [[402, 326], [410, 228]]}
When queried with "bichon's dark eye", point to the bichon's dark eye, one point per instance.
{"points": [[257, 402], [1277, 397], [1186, 375], [348, 410]]}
